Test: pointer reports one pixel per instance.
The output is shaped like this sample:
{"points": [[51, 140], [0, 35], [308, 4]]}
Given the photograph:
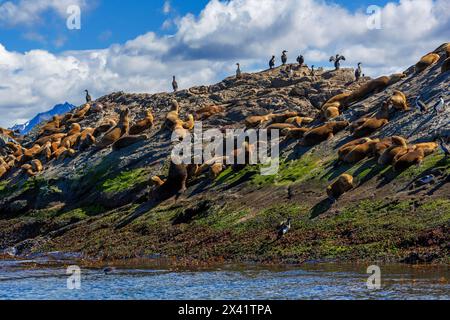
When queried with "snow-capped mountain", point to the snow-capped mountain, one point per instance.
{"points": [[44, 116]]}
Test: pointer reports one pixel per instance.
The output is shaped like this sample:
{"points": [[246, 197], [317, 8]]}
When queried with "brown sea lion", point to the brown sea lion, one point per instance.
{"points": [[346, 148], [426, 61], [207, 112], [399, 101], [52, 127], [189, 124], [331, 113], [254, 121], [323, 133], [117, 132], [369, 127], [104, 127], [294, 133], [173, 116], [360, 152], [428, 147], [342, 185], [399, 146], [410, 158], [174, 185], [143, 125], [127, 141]]}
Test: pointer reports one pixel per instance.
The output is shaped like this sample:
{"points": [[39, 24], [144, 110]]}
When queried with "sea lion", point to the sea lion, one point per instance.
{"points": [[3, 170], [346, 148], [157, 181], [179, 130], [72, 136], [428, 147], [331, 113], [381, 146], [324, 132], [399, 101], [190, 123], [51, 138], [399, 146], [127, 141], [143, 125], [53, 126], [117, 132], [80, 114], [63, 152], [360, 151], [280, 126], [173, 116], [445, 66], [104, 127], [294, 133], [16, 149], [370, 126], [207, 112], [374, 86], [33, 168], [30, 153], [254, 121], [174, 185], [342, 185], [410, 158], [282, 117], [426, 61], [340, 98], [299, 121]]}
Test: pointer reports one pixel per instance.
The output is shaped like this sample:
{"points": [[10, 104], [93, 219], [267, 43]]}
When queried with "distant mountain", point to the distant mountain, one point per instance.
{"points": [[44, 116]]}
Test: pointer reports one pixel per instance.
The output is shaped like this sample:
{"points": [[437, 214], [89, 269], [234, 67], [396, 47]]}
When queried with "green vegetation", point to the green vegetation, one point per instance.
{"points": [[124, 181]]}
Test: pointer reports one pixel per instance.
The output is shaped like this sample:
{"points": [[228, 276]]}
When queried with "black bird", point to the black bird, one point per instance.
{"points": [[337, 61], [300, 60], [272, 62], [88, 96], [284, 228], [420, 105], [238, 71], [108, 270], [444, 147], [174, 84], [358, 72], [284, 57], [312, 70]]}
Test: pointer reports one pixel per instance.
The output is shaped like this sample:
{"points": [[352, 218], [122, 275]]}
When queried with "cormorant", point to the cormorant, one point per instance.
{"points": [[444, 147], [174, 84], [300, 60], [358, 72], [272, 62], [238, 71], [420, 105], [440, 106], [312, 70], [337, 61], [284, 228], [284, 57], [88, 96]]}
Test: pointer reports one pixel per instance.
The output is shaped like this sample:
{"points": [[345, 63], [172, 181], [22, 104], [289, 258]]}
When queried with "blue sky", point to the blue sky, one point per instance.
{"points": [[106, 22], [136, 46]]}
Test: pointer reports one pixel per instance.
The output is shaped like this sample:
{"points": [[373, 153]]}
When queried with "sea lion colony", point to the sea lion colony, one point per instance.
{"points": [[63, 136]]}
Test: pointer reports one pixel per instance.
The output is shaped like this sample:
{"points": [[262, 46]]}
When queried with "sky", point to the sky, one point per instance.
{"points": [[136, 46]]}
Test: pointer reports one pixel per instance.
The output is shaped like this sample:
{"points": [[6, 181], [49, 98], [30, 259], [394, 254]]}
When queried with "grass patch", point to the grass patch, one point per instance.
{"points": [[124, 181]]}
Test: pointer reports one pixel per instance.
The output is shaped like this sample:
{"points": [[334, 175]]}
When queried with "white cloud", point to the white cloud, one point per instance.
{"points": [[28, 12], [167, 7], [205, 48]]}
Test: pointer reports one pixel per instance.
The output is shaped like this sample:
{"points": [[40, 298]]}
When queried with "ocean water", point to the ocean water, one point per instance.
{"points": [[26, 280]]}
